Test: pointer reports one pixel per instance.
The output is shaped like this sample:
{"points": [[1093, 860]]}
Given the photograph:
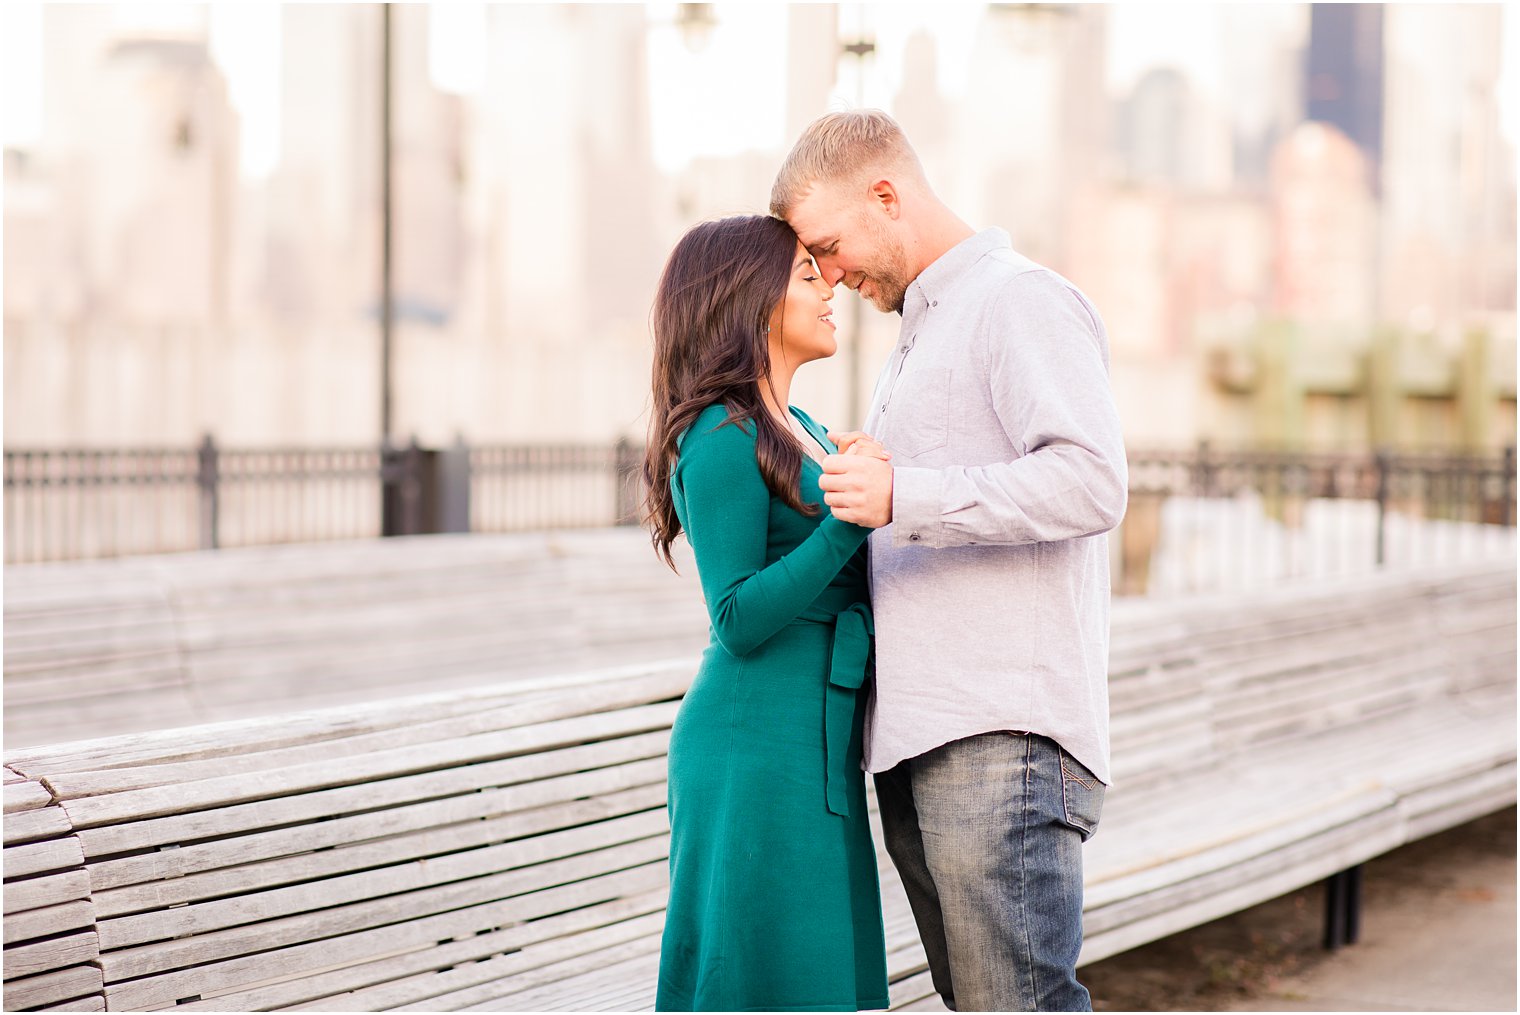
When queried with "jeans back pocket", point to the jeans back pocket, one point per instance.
{"points": [[1081, 795]]}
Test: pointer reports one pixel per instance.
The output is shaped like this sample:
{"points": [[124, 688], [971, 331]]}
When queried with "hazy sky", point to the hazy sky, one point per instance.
{"points": [[746, 50]]}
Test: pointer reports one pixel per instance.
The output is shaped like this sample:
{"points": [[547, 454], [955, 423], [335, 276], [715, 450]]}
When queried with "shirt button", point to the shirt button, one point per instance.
{"points": [[934, 303], [913, 538]]}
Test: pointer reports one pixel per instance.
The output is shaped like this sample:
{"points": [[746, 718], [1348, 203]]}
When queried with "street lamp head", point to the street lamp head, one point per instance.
{"points": [[696, 22]]}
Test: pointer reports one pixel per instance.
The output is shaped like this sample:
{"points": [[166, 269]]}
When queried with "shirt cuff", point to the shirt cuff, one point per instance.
{"points": [[916, 498]]}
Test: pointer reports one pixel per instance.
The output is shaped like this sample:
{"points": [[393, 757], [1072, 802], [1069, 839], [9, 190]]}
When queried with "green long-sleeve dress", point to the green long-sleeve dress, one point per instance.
{"points": [[774, 900]]}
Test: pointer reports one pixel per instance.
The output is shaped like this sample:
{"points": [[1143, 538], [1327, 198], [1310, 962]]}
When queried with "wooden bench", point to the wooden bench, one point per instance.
{"points": [[106, 647], [505, 849]]}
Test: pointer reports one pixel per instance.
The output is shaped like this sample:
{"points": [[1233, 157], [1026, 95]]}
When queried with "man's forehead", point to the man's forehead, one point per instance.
{"points": [[813, 216]]}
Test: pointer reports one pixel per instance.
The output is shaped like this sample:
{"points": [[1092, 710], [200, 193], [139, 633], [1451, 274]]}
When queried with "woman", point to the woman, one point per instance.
{"points": [[774, 902]]}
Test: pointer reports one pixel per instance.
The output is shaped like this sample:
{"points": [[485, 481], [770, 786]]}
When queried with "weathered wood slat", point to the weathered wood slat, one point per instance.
{"points": [[48, 890], [374, 853], [1222, 846], [89, 813], [537, 724], [144, 708], [38, 857], [80, 684], [582, 768], [534, 857], [455, 961], [479, 980], [545, 986], [1236, 889], [96, 1003], [630, 986], [30, 826], [358, 827], [46, 956], [45, 989], [47, 921], [21, 795], [361, 946], [377, 755], [159, 957], [915, 993], [261, 734], [1438, 808]]}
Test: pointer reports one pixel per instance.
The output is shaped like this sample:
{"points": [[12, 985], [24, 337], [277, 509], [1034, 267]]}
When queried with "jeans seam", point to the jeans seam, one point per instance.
{"points": [[1034, 986]]}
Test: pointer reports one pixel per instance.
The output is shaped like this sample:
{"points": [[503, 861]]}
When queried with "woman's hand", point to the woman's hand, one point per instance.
{"points": [[857, 443]]}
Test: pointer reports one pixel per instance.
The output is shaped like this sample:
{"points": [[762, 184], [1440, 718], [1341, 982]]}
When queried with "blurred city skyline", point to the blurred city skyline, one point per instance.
{"points": [[244, 41], [1297, 220]]}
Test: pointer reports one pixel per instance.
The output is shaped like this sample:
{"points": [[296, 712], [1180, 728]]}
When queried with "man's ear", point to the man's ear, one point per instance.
{"points": [[884, 196]]}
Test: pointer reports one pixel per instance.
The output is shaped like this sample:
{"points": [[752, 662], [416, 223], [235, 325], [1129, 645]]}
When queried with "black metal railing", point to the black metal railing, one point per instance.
{"points": [[1199, 519], [1209, 519]]}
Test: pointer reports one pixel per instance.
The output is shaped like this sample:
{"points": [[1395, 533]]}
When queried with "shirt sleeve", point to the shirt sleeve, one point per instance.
{"points": [[1047, 366], [727, 507]]}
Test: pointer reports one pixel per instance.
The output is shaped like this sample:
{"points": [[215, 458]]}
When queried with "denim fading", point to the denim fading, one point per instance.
{"points": [[986, 833]]}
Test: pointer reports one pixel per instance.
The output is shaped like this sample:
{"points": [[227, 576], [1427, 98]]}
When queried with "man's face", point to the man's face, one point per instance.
{"points": [[852, 239]]}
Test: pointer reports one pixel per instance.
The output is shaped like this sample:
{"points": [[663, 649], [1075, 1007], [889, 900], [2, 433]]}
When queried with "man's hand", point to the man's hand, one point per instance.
{"points": [[857, 488], [857, 442]]}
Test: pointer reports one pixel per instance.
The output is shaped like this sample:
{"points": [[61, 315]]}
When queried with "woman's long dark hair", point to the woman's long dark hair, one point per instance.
{"points": [[711, 311]]}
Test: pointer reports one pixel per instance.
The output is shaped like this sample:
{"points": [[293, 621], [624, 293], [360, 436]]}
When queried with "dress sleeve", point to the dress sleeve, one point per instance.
{"points": [[727, 509]]}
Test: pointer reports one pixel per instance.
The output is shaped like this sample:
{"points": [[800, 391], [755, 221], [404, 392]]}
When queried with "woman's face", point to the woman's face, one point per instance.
{"points": [[802, 325]]}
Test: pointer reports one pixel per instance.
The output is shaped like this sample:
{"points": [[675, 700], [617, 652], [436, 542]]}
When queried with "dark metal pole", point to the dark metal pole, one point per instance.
{"points": [[392, 461], [1382, 462], [859, 49], [1508, 516], [207, 479], [626, 472], [1343, 908], [387, 296]]}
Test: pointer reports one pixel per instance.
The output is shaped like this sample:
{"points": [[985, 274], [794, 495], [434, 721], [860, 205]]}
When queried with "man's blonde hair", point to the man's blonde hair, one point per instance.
{"points": [[843, 147]]}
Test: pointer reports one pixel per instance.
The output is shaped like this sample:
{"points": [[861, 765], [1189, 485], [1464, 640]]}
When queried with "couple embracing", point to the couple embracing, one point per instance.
{"points": [[925, 599]]}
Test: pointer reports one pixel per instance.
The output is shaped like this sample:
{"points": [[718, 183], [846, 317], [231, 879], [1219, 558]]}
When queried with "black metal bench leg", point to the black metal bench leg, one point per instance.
{"points": [[1343, 908]]}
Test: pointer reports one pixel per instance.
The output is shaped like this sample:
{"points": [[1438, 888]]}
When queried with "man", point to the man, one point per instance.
{"points": [[988, 729]]}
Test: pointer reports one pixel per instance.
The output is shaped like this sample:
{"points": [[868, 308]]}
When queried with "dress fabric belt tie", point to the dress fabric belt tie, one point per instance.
{"points": [[847, 672]]}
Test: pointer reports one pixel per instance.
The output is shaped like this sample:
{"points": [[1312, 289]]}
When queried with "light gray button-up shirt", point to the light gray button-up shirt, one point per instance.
{"points": [[991, 585]]}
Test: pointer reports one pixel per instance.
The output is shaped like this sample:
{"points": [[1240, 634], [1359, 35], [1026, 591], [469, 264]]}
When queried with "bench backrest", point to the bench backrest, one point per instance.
{"points": [[106, 647], [1209, 677]]}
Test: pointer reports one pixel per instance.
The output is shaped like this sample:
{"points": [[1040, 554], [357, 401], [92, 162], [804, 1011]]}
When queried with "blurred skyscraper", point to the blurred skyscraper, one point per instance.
{"points": [[1264, 81], [129, 200], [1448, 245], [1344, 76]]}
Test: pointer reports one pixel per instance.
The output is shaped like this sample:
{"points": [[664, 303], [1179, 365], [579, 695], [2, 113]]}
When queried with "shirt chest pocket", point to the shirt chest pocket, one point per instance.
{"points": [[919, 412]]}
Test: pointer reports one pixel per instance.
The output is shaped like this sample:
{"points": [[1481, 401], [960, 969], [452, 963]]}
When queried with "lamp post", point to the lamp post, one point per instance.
{"points": [[387, 293], [392, 469], [859, 48]]}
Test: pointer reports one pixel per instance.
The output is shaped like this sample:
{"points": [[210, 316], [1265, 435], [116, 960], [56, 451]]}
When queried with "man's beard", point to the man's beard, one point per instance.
{"points": [[888, 271]]}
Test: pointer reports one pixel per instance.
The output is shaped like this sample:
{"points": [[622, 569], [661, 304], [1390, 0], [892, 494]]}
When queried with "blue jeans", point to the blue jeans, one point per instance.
{"points": [[987, 834]]}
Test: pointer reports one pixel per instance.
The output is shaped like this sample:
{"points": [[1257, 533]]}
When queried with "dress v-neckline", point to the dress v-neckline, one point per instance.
{"points": [[826, 449]]}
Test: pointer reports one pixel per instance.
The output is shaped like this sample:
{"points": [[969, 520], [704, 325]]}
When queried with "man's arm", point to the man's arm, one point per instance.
{"points": [[1050, 389]]}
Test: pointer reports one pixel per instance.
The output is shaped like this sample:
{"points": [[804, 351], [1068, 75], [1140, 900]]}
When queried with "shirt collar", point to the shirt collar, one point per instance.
{"points": [[940, 277]]}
